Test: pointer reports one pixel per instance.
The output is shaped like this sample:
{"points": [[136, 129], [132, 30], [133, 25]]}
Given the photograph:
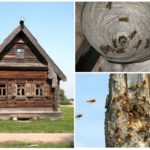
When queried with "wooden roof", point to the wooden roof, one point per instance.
{"points": [[53, 68]]}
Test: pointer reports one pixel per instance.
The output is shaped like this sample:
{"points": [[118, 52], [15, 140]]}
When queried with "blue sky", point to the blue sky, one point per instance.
{"points": [[90, 128], [52, 23]]}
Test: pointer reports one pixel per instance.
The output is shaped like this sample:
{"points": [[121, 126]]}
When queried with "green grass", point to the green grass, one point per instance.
{"points": [[64, 125], [15, 144]]}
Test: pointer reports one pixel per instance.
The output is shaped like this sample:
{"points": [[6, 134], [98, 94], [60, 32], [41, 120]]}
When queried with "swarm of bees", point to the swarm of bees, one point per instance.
{"points": [[135, 115]]}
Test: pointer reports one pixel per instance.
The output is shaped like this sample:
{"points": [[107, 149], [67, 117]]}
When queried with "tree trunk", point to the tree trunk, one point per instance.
{"points": [[127, 116]]}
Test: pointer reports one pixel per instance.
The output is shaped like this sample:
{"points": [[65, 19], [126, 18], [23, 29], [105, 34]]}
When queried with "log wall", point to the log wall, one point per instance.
{"points": [[11, 54], [29, 80]]}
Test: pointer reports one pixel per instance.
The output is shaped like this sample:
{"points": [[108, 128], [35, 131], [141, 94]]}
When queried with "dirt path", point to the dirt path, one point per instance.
{"points": [[67, 106], [37, 137]]}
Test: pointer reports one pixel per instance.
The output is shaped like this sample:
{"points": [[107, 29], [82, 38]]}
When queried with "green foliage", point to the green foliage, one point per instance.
{"points": [[63, 98], [64, 125], [14, 144]]}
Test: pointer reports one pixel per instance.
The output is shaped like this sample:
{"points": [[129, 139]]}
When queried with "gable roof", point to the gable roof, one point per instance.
{"points": [[53, 68]]}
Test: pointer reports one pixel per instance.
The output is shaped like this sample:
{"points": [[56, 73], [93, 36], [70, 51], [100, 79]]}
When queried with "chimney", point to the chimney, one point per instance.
{"points": [[22, 22]]}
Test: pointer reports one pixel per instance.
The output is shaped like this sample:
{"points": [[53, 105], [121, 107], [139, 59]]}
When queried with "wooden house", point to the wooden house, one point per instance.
{"points": [[29, 79]]}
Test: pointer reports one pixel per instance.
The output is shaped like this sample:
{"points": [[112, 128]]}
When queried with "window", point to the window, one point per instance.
{"points": [[39, 90], [2, 90], [20, 90], [20, 53]]}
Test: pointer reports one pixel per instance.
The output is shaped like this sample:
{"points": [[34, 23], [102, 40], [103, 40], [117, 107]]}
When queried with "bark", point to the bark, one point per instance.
{"points": [[127, 116]]}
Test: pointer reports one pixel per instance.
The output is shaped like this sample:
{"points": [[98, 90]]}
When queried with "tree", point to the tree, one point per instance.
{"points": [[63, 98], [127, 116]]}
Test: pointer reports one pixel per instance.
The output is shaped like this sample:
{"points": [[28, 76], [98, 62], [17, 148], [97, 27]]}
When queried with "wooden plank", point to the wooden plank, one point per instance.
{"points": [[30, 38], [25, 104], [28, 89], [46, 90], [29, 56], [33, 89], [23, 74]]}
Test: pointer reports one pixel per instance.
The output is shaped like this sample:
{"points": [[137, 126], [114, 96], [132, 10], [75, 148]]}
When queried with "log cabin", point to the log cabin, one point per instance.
{"points": [[29, 79]]}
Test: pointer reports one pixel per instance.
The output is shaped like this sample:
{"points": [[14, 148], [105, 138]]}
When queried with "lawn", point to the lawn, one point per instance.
{"points": [[64, 125], [34, 145]]}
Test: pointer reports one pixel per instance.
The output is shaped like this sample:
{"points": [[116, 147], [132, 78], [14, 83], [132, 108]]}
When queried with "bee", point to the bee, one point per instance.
{"points": [[109, 5], [105, 49], [135, 108], [117, 98], [145, 138], [130, 115], [147, 44], [114, 43], [130, 119], [91, 101], [141, 111], [128, 123], [126, 105], [125, 94], [146, 115], [118, 140], [126, 101], [138, 124], [140, 85], [118, 113], [131, 36], [133, 88], [142, 128], [143, 98], [79, 116], [144, 82], [137, 45], [124, 19], [129, 136], [121, 50], [137, 95], [130, 129], [116, 130]]}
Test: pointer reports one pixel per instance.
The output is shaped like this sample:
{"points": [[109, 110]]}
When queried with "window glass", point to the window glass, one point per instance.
{"points": [[2, 90], [20, 90], [20, 53], [39, 90]]}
